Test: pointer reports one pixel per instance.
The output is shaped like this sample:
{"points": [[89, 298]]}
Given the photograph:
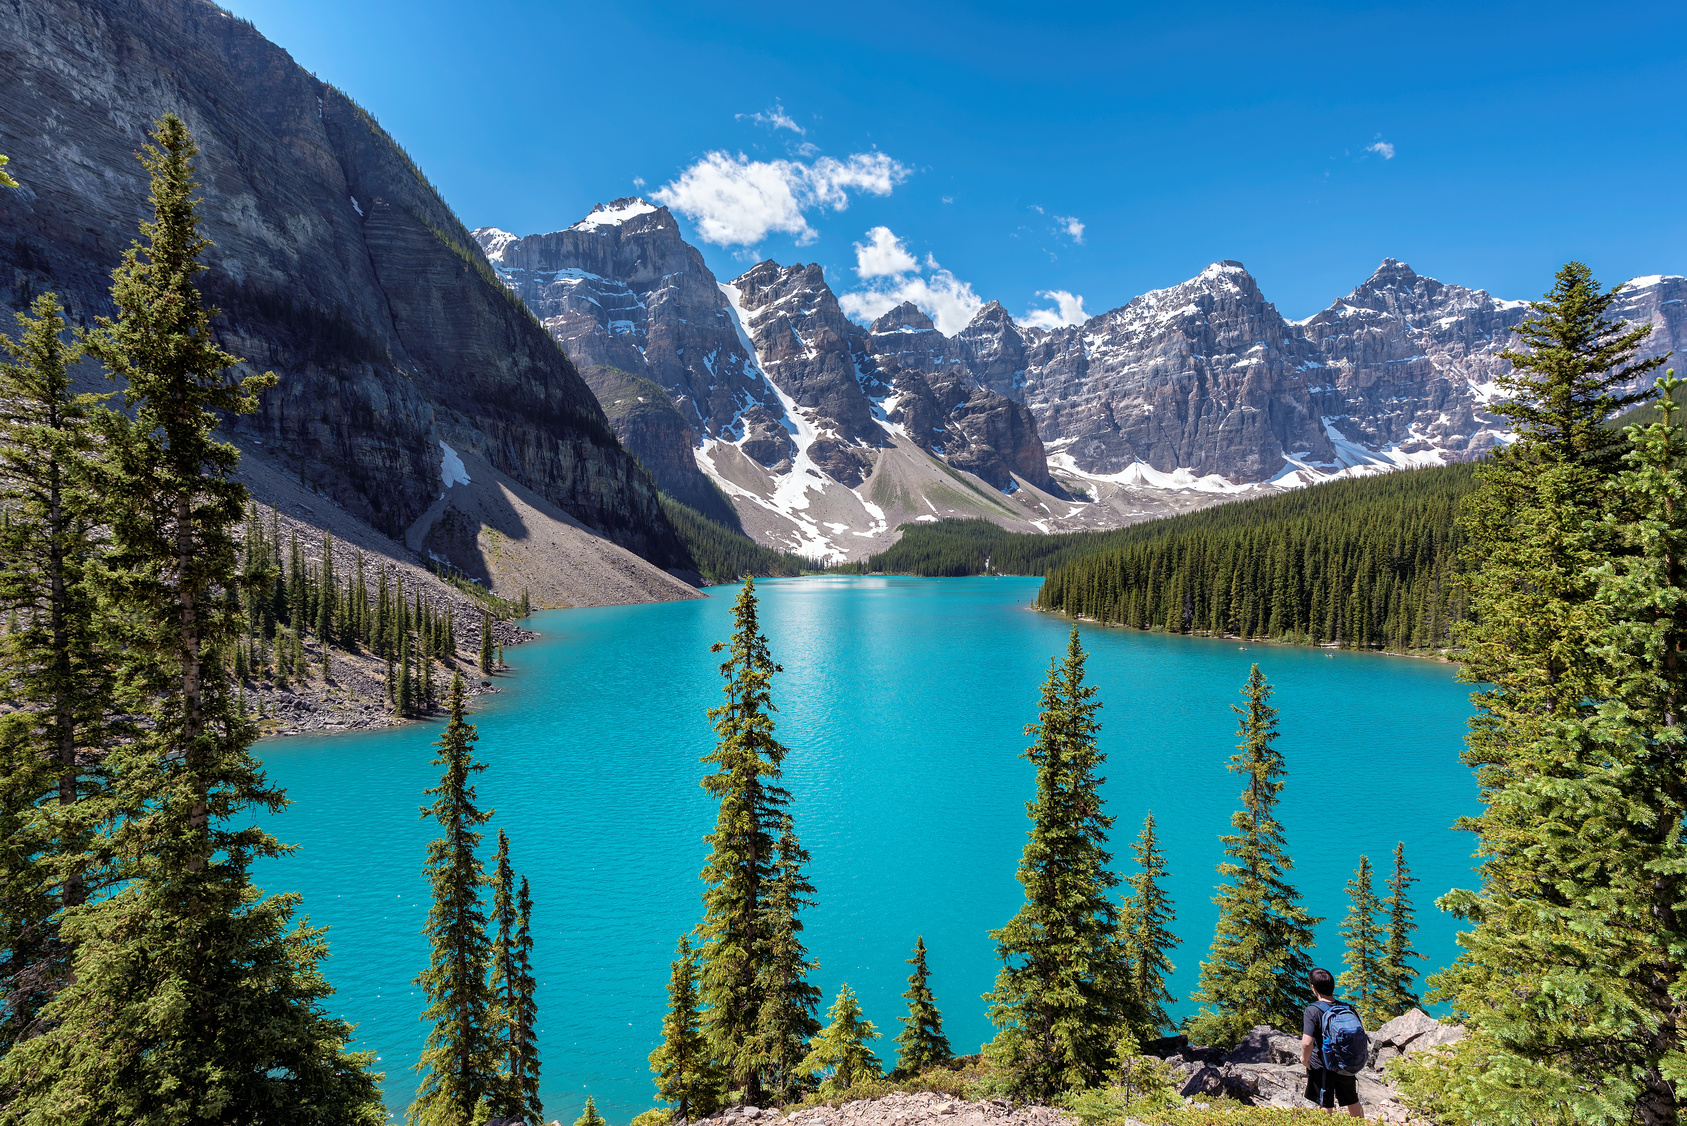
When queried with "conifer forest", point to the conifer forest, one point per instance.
{"points": [[149, 602]]}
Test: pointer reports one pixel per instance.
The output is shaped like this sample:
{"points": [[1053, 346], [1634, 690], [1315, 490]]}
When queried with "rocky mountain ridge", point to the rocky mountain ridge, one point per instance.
{"points": [[335, 264]]}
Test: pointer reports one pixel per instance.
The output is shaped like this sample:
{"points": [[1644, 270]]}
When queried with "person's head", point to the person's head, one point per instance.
{"points": [[1322, 983]]}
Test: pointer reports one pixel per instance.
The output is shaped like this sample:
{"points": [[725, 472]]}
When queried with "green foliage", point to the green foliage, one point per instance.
{"points": [[1256, 971], [686, 1075], [788, 1002], [524, 1028], [1147, 927], [55, 662], [656, 1116], [182, 944], [458, 1064], [1395, 991], [589, 1116], [512, 995], [1140, 1084], [921, 1045], [1064, 985], [721, 554], [6, 180], [841, 1056], [1362, 982], [487, 659], [742, 861], [1570, 978]]}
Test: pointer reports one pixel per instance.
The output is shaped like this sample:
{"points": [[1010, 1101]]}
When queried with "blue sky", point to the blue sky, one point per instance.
{"points": [[962, 146]]}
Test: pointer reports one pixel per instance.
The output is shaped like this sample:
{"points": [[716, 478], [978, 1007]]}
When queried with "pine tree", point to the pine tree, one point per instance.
{"points": [[524, 1053], [505, 1097], [786, 1020], [406, 700], [1063, 986], [1256, 972], [55, 662], [741, 861], [686, 1075], [1396, 994], [486, 657], [1148, 919], [841, 1055], [590, 1116], [1363, 981], [185, 943], [921, 1044], [458, 1063]]}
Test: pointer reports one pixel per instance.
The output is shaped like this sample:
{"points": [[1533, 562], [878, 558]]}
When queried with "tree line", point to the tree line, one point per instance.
{"points": [[1362, 564], [1083, 982]]}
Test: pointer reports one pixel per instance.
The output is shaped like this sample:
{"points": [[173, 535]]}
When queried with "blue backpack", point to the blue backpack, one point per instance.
{"points": [[1346, 1047]]}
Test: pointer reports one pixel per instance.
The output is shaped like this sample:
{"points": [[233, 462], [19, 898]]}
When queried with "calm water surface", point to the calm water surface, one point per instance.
{"points": [[903, 702]]}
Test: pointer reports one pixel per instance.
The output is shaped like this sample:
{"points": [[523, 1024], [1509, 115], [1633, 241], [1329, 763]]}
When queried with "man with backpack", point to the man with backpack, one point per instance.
{"points": [[1333, 1046]]}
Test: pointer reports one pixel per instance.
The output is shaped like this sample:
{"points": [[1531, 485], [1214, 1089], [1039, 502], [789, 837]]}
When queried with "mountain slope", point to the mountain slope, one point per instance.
{"points": [[335, 263]]}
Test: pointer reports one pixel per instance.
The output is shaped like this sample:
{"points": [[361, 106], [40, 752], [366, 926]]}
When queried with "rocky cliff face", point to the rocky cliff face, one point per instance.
{"points": [[630, 300], [335, 263], [1206, 380]]}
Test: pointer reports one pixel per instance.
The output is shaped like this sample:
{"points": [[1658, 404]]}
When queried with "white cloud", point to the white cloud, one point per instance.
{"points": [[775, 118], [738, 201], [884, 256], [1068, 310], [947, 300], [1074, 228], [1382, 148]]}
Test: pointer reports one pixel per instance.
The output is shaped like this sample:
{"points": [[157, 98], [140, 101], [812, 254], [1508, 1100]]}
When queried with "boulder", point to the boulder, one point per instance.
{"points": [[1264, 1044]]}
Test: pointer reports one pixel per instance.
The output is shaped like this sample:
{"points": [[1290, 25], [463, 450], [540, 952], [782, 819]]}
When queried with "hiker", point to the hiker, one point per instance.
{"points": [[1331, 1028]]}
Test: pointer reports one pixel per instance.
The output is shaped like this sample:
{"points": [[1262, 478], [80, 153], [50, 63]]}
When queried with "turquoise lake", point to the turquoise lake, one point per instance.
{"points": [[903, 702]]}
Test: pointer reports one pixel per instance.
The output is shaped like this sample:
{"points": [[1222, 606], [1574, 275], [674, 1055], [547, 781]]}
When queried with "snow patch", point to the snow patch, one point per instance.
{"points": [[494, 242], [451, 470], [604, 215]]}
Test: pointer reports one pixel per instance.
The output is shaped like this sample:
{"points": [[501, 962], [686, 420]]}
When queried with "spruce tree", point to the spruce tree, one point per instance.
{"points": [[458, 1063], [1147, 924], [1571, 979], [524, 1052], [486, 658], [505, 1097], [185, 945], [841, 1055], [921, 1045], [742, 850], [1397, 993], [55, 664], [1064, 984], [788, 1002], [686, 1075], [1363, 982], [589, 1116], [1257, 967]]}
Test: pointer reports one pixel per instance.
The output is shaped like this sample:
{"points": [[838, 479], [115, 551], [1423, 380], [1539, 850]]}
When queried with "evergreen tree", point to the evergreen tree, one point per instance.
{"points": [[686, 1075], [742, 858], [589, 1116], [458, 1063], [1396, 994], [1063, 986], [486, 658], [55, 662], [185, 945], [1256, 972], [524, 1053], [1148, 919], [406, 700], [1363, 982], [788, 1002], [841, 1055], [505, 1097], [921, 1044]]}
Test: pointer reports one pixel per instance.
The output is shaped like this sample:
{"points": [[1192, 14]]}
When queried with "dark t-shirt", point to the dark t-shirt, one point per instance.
{"points": [[1312, 1024]]}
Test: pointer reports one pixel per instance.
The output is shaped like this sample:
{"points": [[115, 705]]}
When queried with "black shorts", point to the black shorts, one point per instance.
{"points": [[1330, 1089]]}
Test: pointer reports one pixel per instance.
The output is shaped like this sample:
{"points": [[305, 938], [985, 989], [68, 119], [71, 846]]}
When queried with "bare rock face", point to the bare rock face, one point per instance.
{"points": [[335, 263], [628, 298]]}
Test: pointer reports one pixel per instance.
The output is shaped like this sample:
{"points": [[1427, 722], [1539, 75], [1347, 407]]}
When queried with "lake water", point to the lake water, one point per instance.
{"points": [[903, 703]]}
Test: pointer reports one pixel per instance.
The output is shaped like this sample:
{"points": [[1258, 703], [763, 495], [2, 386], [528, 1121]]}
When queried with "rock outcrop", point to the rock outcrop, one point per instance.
{"points": [[335, 264]]}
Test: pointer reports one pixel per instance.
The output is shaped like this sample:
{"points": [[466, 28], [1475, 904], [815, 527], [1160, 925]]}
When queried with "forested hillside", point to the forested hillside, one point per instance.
{"points": [[1365, 564]]}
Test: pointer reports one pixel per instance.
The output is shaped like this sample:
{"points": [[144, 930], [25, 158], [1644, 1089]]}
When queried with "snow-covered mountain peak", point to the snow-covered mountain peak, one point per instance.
{"points": [[494, 242], [614, 213]]}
